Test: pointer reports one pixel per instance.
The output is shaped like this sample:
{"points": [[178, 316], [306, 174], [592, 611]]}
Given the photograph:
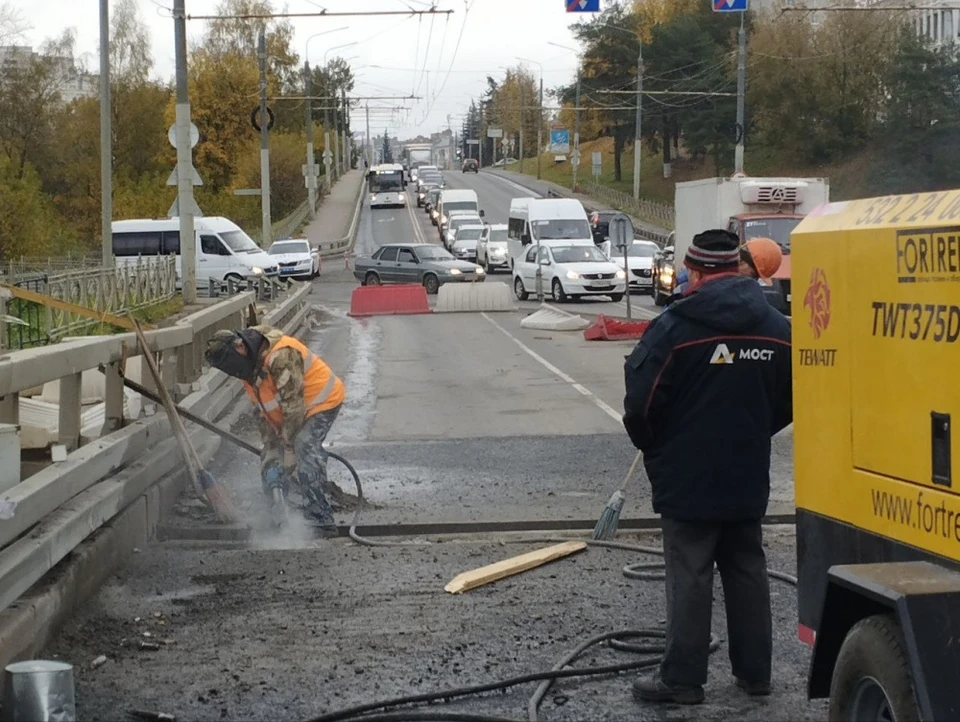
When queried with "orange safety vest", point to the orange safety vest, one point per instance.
{"points": [[322, 390]]}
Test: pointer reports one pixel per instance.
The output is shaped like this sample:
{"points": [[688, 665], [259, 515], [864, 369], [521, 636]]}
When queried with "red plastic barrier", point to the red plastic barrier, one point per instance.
{"points": [[389, 301], [610, 329]]}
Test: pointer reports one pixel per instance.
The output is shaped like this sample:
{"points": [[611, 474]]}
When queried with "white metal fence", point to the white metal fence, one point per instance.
{"points": [[653, 212]]}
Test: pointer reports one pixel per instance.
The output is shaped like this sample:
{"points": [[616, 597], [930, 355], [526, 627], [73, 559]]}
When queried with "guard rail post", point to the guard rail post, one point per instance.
{"points": [[10, 409], [112, 398], [70, 411]]}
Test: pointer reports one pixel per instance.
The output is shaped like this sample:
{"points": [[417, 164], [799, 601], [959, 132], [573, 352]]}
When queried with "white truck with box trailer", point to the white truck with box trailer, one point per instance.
{"points": [[751, 208]]}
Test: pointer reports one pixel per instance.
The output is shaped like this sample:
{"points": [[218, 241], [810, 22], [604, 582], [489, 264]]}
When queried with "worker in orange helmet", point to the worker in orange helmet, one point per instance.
{"points": [[760, 258]]}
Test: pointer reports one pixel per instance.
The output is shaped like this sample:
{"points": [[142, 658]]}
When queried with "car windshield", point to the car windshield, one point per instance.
{"points": [[433, 253], [278, 249], [469, 234], [239, 242], [465, 244], [779, 229], [498, 236], [431, 176], [458, 221], [642, 250], [386, 181], [561, 230], [459, 206], [577, 254]]}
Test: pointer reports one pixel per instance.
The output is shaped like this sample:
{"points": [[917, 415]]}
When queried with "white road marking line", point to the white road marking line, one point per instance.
{"points": [[417, 231], [600, 403]]}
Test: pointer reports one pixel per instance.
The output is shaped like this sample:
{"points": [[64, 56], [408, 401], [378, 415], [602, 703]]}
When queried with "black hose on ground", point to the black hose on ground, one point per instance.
{"points": [[646, 571]]}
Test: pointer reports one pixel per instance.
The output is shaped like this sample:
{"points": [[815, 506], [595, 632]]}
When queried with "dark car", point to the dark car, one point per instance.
{"points": [[470, 165], [420, 263], [424, 192], [664, 275]]}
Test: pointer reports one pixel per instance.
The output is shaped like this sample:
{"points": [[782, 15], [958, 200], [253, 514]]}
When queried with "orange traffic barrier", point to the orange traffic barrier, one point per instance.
{"points": [[610, 329], [389, 301]]}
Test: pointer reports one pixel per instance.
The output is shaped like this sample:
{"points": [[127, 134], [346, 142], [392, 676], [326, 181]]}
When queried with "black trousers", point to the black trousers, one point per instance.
{"points": [[690, 551]]}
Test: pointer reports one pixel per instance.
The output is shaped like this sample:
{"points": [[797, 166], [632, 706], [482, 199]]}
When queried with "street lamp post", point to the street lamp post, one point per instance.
{"points": [[326, 113], [576, 112], [311, 158], [539, 119]]}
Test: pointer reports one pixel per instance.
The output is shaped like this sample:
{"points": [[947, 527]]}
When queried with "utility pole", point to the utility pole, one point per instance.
{"points": [[336, 137], [264, 145], [311, 159], [347, 159], [540, 128], [521, 133], [637, 143], [741, 95], [576, 131], [185, 202], [370, 162], [326, 129], [106, 138]]}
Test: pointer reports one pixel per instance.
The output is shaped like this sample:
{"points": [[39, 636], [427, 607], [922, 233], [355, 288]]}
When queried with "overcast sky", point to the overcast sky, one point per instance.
{"points": [[385, 59]]}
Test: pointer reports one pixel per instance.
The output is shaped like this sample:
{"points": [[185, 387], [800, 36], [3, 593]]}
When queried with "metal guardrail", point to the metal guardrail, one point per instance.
{"points": [[125, 287], [344, 244], [45, 516], [655, 212]]}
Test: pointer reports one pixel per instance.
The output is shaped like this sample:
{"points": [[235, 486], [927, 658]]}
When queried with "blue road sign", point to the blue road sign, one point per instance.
{"points": [[729, 6], [560, 141], [582, 6]]}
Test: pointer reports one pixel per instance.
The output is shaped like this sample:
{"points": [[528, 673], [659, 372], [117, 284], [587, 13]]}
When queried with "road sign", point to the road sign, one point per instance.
{"points": [[194, 136], [621, 231], [255, 119], [729, 6], [559, 141], [327, 156], [494, 132], [582, 6], [473, 141], [174, 178], [174, 211]]}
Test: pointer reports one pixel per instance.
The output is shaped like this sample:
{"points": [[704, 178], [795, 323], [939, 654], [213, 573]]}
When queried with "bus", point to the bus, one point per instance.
{"points": [[386, 186]]}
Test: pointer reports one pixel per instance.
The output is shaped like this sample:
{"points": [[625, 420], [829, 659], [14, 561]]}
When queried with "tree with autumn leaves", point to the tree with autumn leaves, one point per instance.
{"points": [[821, 90], [49, 149]]}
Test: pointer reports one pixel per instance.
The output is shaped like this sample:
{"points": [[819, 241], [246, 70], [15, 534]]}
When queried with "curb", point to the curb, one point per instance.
{"points": [[343, 246]]}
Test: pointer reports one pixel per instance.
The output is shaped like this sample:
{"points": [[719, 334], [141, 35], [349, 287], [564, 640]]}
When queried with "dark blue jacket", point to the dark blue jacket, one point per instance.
{"points": [[706, 387]]}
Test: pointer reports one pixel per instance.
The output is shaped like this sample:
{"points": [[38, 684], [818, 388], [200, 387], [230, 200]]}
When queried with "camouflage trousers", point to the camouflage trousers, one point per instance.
{"points": [[311, 472]]}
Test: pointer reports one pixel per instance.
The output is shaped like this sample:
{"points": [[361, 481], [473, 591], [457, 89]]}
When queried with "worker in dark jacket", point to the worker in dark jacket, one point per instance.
{"points": [[706, 387]]}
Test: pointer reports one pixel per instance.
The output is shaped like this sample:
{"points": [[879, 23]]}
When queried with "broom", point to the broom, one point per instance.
{"points": [[606, 526], [205, 484]]}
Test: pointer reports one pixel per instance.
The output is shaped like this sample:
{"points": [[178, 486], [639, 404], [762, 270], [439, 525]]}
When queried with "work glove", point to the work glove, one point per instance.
{"points": [[289, 458]]}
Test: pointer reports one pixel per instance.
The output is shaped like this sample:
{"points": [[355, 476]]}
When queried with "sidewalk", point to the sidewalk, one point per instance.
{"points": [[335, 213], [589, 203]]}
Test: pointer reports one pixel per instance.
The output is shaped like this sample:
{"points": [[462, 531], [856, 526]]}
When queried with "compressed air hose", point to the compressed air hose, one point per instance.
{"points": [[624, 641]]}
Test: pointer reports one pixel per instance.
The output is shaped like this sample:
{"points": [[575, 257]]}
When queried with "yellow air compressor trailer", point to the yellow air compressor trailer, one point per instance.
{"points": [[876, 363]]}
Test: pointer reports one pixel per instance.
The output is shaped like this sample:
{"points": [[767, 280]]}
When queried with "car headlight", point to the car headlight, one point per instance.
{"points": [[256, 271], [621, 274], [443, 219], [456, 272], [480, 270], [421, 196], [496, 252], [573, 275], [373, 196]]}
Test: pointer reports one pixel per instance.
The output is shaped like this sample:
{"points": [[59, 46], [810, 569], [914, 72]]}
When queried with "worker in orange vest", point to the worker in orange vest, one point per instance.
{"points": [[299, 398]]}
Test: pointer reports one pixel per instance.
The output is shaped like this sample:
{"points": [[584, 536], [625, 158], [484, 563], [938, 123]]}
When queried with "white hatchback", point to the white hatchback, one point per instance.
{"points": [[569, 272], [640, 260]]}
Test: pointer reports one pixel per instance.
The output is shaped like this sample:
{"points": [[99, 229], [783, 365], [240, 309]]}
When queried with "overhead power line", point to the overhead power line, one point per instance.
{"points": [[324, 14]]}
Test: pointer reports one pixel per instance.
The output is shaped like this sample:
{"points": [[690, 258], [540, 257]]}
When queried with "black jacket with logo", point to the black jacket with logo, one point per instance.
{"points": [[706, 387]]}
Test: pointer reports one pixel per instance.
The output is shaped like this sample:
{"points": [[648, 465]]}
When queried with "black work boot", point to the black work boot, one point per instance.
{"points": [[318, 511], [754, 689], [654, 689]]}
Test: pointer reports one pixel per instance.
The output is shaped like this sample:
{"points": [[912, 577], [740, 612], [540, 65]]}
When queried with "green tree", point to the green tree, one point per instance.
{"points": [[386, 151], [28, 222], [920, 136]]}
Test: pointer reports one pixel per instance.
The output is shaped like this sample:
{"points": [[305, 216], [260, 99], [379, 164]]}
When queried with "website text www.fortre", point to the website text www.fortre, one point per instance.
{"points": [[917, 513]]}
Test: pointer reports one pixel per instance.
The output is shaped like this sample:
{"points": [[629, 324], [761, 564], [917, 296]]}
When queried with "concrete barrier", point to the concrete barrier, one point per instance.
{"points": [[550, 318], [462, 297]]}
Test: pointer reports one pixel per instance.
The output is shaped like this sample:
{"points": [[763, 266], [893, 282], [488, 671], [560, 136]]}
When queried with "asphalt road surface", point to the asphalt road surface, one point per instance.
{"points": [[450, 417]]}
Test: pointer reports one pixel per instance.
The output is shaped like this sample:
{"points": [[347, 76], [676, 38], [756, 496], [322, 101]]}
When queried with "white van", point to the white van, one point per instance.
{"points": [[456, 200], [549, 221], [223, 249]]}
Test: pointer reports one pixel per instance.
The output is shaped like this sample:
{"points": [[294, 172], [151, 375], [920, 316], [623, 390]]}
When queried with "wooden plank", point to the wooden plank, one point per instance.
{"points": [[508, 567], [50, 302]]}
